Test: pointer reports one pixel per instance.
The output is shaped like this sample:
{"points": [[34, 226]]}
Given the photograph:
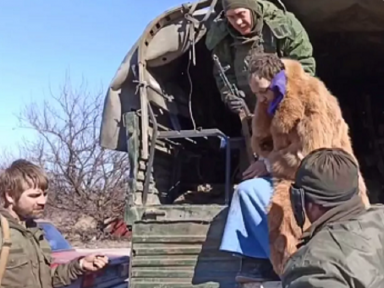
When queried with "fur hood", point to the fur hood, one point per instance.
{"points": [[302, 86]]}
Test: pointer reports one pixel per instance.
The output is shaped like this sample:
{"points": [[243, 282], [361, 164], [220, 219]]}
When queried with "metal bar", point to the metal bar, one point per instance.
{"points": [[167, 97], [192, 134], [151, 155], [208, 133], [189, 134], [144, 112]]}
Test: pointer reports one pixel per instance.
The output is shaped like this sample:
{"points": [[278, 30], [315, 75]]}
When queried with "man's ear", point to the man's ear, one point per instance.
{"points": [[9, 199]]}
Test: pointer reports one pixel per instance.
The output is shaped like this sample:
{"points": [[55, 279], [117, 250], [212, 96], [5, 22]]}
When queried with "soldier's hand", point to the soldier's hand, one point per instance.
{"points": [[234, 103], [94, 262]]}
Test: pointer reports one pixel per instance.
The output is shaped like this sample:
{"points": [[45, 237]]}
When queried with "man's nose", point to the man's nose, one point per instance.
{"points": [[239, 21], [42, 200]]}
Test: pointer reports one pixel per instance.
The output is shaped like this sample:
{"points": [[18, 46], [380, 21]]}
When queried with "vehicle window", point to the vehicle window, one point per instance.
{"points": [[54, 237]]}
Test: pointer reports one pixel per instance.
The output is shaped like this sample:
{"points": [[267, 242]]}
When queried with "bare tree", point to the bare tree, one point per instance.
{"points": [[6, 158], [86, 179]]}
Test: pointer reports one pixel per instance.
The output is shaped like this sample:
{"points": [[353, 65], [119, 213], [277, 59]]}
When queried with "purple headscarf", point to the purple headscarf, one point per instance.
{"points": [[279, 87]]}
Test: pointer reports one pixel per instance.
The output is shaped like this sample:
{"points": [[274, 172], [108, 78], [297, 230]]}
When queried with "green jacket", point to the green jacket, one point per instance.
{"points": [[344, 254], [281, 33], [30, 258]]}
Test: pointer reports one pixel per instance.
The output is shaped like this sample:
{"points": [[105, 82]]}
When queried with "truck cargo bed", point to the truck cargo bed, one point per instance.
{"points": [[181, 249]]}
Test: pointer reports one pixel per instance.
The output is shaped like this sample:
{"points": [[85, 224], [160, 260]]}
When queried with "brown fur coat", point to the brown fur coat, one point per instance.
{"points": [[309, 117]]}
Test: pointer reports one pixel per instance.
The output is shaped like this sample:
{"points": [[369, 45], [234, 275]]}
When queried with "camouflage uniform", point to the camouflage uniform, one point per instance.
{"points": [[30, 259], [276, 31]]}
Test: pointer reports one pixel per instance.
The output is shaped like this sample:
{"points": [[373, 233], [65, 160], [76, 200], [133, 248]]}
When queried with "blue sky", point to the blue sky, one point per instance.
{"points": [[42, 41]]}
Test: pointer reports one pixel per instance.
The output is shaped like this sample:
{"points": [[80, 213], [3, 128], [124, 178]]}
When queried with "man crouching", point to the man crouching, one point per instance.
{"points": [[344, 245], [23, 187]]}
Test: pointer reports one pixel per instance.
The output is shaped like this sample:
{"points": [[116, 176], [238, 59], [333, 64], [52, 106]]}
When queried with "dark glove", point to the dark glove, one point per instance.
{"points": [[234, 103]]}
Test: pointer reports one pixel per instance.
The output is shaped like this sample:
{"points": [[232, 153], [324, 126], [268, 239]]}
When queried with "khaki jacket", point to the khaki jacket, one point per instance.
{"points": [[30, 259]]}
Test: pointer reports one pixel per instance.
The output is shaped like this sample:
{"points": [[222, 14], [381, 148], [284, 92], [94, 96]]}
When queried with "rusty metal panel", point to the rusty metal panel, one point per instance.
{"points": [[182, 252]]}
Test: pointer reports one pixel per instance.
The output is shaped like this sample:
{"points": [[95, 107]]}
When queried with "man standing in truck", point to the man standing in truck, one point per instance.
{"points": [[344, 245], [243, 26]]}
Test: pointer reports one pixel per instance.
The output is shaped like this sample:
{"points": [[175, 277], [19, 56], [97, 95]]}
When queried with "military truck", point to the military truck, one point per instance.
{"points": [[164, 110]]}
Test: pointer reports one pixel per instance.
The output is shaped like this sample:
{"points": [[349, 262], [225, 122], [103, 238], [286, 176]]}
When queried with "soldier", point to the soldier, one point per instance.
{"points": [[244, 26], [344, 245], [23, 187]]}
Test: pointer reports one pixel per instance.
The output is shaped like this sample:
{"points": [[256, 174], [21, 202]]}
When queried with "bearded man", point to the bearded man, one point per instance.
{"points": [[23, 191]]}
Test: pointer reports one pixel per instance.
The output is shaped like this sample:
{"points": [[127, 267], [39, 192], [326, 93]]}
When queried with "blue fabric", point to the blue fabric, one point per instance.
{"points": [[279, 88], [246, 229]]}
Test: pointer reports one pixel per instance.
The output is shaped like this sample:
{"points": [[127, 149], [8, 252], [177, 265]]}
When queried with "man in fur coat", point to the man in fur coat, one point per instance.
{"points": [[294, 115]]}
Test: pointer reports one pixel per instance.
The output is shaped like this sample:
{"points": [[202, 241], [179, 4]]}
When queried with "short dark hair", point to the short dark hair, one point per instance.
{"points": [[265, 65]]}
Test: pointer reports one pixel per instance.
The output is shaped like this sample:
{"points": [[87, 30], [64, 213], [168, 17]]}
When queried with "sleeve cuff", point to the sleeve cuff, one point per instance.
{"points": [[77, 266]]}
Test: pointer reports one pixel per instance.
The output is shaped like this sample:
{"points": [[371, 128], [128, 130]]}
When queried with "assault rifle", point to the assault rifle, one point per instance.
{"points": [[244, 114]]}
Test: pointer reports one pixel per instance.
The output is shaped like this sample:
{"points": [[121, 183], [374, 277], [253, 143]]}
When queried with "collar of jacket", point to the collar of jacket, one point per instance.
{"points": [[26, 227], [344, 212]]}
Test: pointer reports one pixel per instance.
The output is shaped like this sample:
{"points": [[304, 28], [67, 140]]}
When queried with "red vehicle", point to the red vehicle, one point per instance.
{"points": [[115, 275]]}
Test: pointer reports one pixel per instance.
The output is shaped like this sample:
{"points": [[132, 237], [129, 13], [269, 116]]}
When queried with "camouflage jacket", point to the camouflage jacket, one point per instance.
{"points": [[343, 254], [281, 33], [30, 258]]}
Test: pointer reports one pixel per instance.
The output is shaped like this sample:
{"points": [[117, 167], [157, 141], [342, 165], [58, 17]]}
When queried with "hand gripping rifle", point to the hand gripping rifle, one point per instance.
{"points": [[244, 113]]}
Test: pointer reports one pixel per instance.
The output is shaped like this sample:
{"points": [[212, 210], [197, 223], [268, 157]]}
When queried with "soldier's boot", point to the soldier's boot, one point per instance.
{"points": [[256, 271]]}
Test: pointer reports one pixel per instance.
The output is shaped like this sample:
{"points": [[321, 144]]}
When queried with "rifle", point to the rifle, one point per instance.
{"points": [[244, 114]]}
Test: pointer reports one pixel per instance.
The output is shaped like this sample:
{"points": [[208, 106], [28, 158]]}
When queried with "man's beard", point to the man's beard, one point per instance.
{"points": [[34, 214], [37, 213]]}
